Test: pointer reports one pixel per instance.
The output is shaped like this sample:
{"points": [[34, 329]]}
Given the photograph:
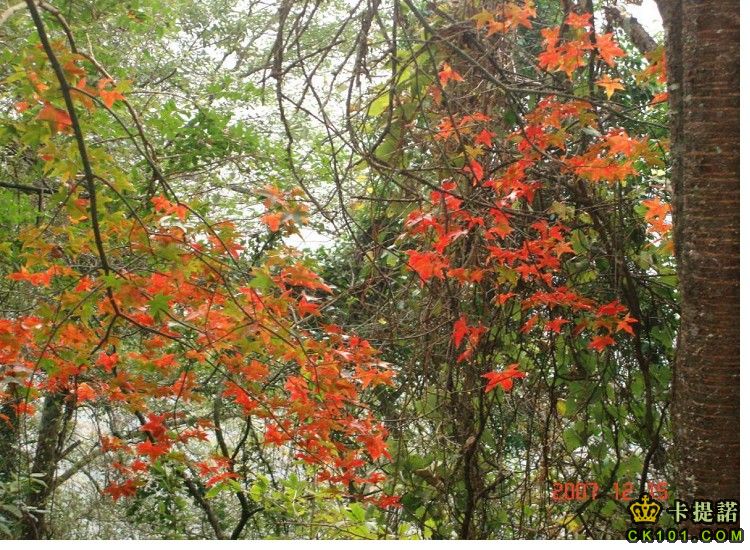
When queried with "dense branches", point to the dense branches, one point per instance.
{"points": [[491, 314]]}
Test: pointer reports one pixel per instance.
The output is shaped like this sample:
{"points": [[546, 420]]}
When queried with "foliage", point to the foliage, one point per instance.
{"points": [[493, 312]]}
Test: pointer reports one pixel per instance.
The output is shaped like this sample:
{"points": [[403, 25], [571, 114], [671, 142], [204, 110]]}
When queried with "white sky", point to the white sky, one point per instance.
{"points": [[647, 15]]}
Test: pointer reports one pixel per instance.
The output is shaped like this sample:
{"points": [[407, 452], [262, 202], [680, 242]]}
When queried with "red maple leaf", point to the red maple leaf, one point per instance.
{"points": [[221, 477], [165, 362], [611, 309], [556, 325], [84, 285], [601, 342], [443, 242], [155, 425], [460, 330], [427, 264], [125, 489], [529, 324], [503, 378], [274, 435], [484, 138], [387, 502], [307, 306], [107, 362], [475, 169], [153, 450], [375, 446], [502, 298]]}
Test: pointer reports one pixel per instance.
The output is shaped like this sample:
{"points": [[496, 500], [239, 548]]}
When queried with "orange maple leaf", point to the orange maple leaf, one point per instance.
{"points": [[59, 118], [610, 85], [272, 220], [656, 215], [608, 48], [84, 392], [448, 74], [108, 96], [483, 18], [624, 324], [496, 26], [374, 376], [578, 21]]}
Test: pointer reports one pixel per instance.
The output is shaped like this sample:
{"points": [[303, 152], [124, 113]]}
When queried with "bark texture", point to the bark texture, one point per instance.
{"points": [[703, 65], [45, 463]]}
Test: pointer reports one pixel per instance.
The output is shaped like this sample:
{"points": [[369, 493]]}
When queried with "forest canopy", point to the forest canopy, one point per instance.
{"points": [[333, 269]]}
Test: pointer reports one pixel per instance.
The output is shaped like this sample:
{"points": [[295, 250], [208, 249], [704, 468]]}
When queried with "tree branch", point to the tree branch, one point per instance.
{"points": [[87, 171], [26, 188], [10, 11], [640, 38]]}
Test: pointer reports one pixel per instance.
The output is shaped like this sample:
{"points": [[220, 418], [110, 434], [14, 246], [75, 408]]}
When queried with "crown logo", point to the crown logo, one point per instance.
{"points": [[645, 510]]}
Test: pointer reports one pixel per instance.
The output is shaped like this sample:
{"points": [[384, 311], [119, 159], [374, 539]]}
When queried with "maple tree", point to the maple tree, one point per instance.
{"points": [[146, 301], [497, 292], [528, 229]]}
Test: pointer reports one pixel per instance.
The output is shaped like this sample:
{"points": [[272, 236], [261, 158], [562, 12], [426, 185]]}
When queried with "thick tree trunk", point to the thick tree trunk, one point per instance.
{"points": [[45, 463], [704, 71]]}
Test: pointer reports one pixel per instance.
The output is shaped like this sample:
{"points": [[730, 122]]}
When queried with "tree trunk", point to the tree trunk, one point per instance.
{"points": [[45, 463], [703, 65]]}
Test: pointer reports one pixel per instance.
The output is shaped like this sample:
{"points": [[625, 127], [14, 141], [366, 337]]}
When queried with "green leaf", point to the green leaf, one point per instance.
{"points": [[158, 304], [572, 439], [379, 105], [112, 281], [356, 512], [261, 281]]}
